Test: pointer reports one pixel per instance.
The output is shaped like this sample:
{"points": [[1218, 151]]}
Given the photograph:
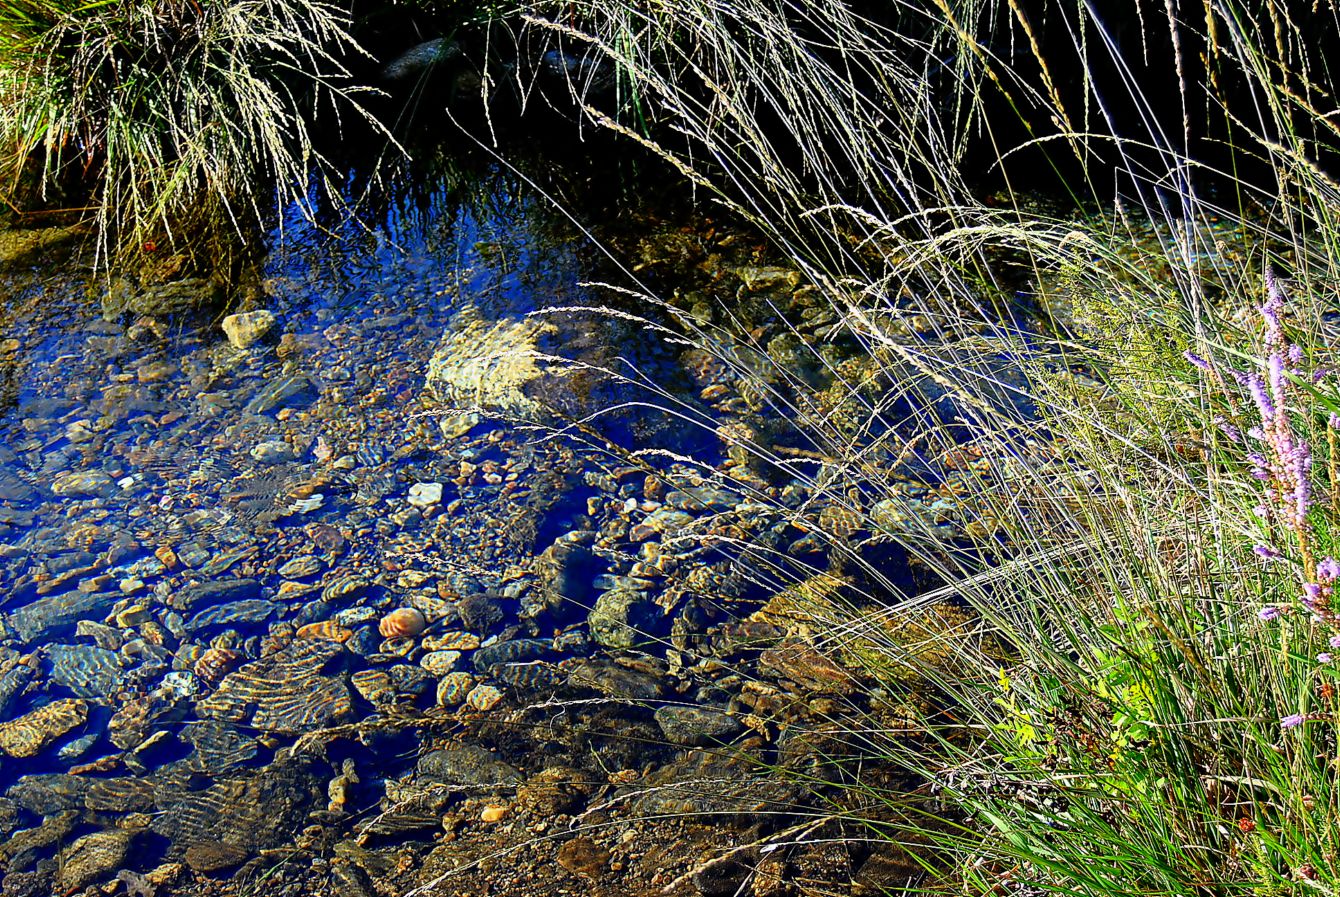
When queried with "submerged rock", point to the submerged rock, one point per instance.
{"points": [[700, 726], [286, 392], [83, 484], [13, 682], [489, 365], [248, 813], [287, 692], [34, 732], [92, 858], [218, 591], [88, 672], [160, 298], [236, 613], [420, 57], [622, 617], [247, 328], [466, 764]]}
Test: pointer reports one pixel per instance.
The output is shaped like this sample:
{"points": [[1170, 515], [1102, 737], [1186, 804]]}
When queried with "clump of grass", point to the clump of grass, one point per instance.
{"points": [[174, 118]]}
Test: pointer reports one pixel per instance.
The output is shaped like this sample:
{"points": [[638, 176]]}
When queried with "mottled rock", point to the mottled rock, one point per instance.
{"points": [[47, 794], [34, 732], [138, 718], [252, 812], [9, 816], [216, 591], [409, 680], [49, 618], [14, 489], [236, 613], [808, 668], [247, 328], [125, 295], [439, 663], [616, 681], [424, 495], [374, 686], [301, 567], [483, 697], [480, 612], [488, 365], [466, 764], [219, 748], [83, 484], [622, 618], [700, 726], [215, 856], [123, 794], [272, 451], [73, 750], [88, 672], [13, 682], [734, 788], [565, 571], [92, 858], [24, 844], [768, 279], [510, 651], [285, 392], [583, 856], [453, 688]]}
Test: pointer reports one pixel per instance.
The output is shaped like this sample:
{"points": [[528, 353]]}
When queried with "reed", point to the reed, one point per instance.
{"points": [[1150, 709]]}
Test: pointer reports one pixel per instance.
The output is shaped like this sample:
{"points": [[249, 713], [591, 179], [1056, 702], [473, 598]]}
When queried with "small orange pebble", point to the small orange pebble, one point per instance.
{"points": [[493, 813]]}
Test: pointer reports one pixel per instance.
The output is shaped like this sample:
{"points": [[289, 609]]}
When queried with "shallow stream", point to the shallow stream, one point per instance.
{"points": [[299, 617]]}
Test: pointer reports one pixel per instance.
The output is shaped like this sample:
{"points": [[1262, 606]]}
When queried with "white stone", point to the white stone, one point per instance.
{"points": [[273, 451], [247, 328], [423, 495]]}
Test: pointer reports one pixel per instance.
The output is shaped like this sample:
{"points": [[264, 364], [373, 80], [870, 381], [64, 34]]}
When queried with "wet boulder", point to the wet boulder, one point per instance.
{"points": [[91, 859], [34, 732], [127, 295], [467, 765], [58, 615], [247, 328], [700, 726], [623, 617]]}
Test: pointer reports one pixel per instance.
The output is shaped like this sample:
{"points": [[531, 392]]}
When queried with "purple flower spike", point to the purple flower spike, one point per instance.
{"points": [[1291, 721], [1265, 551], [1324, 657], [1268, 613], [1198, 361], [1275, 365], [1335, 641], [1263, 403], [1272, 308], [1228, 429], [1328, 570]]}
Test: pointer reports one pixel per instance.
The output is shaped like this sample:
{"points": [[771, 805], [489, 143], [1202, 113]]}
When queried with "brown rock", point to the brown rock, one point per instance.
{"points": [[808, 668], [34, 732], [214, 856], [583, 856]]}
